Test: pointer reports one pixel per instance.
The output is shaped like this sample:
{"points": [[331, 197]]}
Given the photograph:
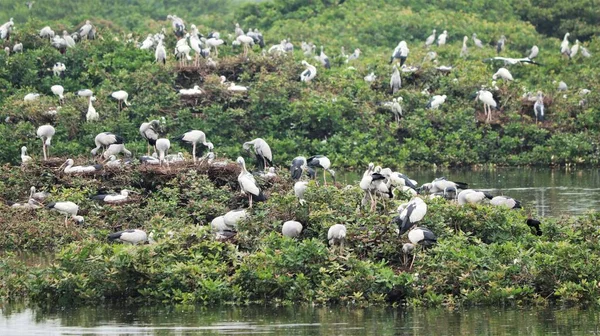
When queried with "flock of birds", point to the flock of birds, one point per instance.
{"points": [[377, 183]]}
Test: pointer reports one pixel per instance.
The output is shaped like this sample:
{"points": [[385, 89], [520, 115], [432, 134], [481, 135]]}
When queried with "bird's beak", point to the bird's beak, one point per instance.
{"points": [[62, 165]]}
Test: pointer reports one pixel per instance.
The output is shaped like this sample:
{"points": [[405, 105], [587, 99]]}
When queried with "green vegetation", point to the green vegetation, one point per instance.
{"points": [[485, 255]]}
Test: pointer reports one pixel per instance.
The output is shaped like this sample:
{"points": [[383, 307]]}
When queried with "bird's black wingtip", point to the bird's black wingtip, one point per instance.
{"points": [[50, 205]]}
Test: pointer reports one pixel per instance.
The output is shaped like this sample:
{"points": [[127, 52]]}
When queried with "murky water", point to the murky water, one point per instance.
{"points": [[160, 320], [545, 192]]}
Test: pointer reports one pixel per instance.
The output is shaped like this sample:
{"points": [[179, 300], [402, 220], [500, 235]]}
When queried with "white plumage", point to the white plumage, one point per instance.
{"points": [[31, 97], [195, 137], [248, 183], [291, 229], [299, 190], [442, 38], [308, 74], [430, 39], [436, 102], [91, 114], [24, 157], [69, 168], [121, 197], [337, 235], [503, 73], [395, 80], [67, 209], [232, 218], [487, 98], [104, 140], [162, 146], [236, 88], [131, 236], [46, 132], [262, 150], [505, 201], [470, 196], [409, 214], [121, 96]]}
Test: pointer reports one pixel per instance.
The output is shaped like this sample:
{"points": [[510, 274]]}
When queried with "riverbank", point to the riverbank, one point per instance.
{"points": [[484, 256]]}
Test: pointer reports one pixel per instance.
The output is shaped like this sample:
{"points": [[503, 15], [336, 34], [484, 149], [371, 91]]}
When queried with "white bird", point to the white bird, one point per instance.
{"points": [[436, 101], [505, 201], [430, 39], [175, 158], [214, 43], [69, 168], [421, 236], [477, 41], [410, 214], [162, 146], [511, 61], [58, 90], [564, 45], [178, 25], [487, 98], [121, 96], [234, 217], [366, 181], [39, 196], [236, 88], [149, 131], [308, 74], [395, 80], [148, 43], [585, 53], [248, 184], [31, 97], [291, 229], [246, 41], [119, 198], [324, 59], [503, 73], [538, 107], [24, 157], [337, 235], [470, 196], [195, 137], [113, 162], [191, 92], [70, 42], [321, 161], [442, 38], [6, 29], [574, 49], [87, 93], [65, 208], [370, 77], [562, 86], [464, 51], [354, 56], [262, 150], [160, 54], [46, 132], [91, 114], [18, 47], [46, 32], [300, 188], [85, 30], [115, 149], [131, 236], [105, 139], [500, 44], [534, 52]]}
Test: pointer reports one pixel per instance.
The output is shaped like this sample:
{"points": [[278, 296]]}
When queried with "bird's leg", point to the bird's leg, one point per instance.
{"points": [[324, 178], [148, 147], [194, 151], [44, 149], [250, 199], [413, 259], [405, 261], [66, 222]]}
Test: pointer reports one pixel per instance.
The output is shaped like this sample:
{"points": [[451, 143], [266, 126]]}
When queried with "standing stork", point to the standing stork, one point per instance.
{"points": [[58, 90], [321, 161], [395, 80], [247, 42], [441, 40], [91, 114], [121, 96], [324, 59], [262, 152], [423, 237], [400, 52], [162, 146], [67, 209], [464, 51], [564, 45], [337, 235], [477, 41], [104, 140], [248, 184], [149, 131], [410, 214], [430, 39], [365, 184], [194, 137], [178, 25], [488, 101], [501, 43], [46, 132], [534, 52], [214, 42], [160, 54], [84, 31], [538, 107]]}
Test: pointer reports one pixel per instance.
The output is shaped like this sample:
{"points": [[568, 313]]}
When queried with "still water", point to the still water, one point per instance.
{"points": [[159, 320], [543, 191]]}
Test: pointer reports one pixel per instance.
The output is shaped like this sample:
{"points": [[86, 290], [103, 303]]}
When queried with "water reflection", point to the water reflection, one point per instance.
{"points": [[159, 320], [546, 192]]}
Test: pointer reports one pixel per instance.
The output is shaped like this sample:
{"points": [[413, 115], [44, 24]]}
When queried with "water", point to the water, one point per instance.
{"points": [[543, 191], [160, 320]]}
